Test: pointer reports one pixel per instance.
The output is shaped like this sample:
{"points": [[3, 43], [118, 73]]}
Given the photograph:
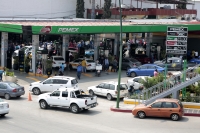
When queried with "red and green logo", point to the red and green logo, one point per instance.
{"points": [[46, 29]]}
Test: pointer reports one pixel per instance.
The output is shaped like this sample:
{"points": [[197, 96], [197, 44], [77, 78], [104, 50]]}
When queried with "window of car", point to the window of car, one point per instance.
{"points": [[106, 86], [112, 87], [14, 85], [90, 61], [58, 58], [72, 95], [59, 81], [56, 94], [3, 86], [48, 81], [181, 105], [123, 87], [167, 105], [174, 105], [156, 105], [151, 67], [143, 67], [133, 60], [101, 85], [136, 79], [74, 81], [64, 94]]}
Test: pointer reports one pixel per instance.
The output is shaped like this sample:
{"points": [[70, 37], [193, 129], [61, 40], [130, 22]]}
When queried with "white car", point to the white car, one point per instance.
{"points": [[4, 108], [52, 84], [90, 64], [25, 48], [109, 89], [67, 97], [57, 61], [136, 82]]}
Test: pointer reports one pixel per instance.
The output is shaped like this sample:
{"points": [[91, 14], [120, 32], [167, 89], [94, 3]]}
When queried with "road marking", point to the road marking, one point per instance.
{"points": [[33, 79], [87, 75]]}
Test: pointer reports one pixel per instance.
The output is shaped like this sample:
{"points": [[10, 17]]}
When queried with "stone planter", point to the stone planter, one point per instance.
{"points": [[10, 79]]}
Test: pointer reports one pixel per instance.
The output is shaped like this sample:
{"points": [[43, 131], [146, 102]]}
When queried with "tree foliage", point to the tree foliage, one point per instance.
{"points": [[107, 12], [80, 9]]}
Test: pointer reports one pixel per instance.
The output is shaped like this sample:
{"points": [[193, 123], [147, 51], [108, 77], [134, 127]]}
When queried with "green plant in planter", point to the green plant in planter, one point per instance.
{"points": [[8, 73], [27, 61], [198, 70], [48, 64]]}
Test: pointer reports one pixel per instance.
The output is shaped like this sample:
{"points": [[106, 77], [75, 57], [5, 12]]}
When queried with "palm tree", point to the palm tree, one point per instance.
{"points": [[80, 9], [107, 12]]}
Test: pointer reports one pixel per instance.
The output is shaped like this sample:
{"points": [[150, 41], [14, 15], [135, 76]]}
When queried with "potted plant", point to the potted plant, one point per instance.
{"points": [[27, 64], [9, 76], [48, 66], [16, 63]]}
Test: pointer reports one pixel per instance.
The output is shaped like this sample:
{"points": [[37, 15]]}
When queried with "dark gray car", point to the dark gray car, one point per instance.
{"points": [[129, 63], [10, 89]]}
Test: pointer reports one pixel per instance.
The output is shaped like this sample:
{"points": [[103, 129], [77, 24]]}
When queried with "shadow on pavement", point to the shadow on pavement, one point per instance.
{"points": [[183, 119]]}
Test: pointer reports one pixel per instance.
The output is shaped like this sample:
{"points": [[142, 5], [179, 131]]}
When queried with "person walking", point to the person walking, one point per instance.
{"points": [[62, 68], [79, 70], [83, 63]]}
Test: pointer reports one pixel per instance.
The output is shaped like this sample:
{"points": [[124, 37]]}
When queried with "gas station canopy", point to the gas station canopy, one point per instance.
{"points": [[91, 27]]}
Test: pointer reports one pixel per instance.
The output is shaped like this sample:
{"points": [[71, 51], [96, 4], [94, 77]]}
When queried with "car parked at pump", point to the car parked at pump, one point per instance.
{"points": [[57, 61], [67, 97], [144, 70], [11, 89], [26, 49], [169, 108], [108, 89], [90, 64], [129, 63], [4, 107], [52, 84]]}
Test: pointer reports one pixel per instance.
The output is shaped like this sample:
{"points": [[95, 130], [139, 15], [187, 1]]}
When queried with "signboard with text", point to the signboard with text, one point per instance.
{"points": [[176, 41]]}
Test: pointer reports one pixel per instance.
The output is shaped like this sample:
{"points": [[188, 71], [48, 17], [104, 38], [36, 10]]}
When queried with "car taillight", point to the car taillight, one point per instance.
{"points": [[180, 110], [54, 63], [115, 92], [14, 90], [89, 64], [7, 105], [85, 102]]}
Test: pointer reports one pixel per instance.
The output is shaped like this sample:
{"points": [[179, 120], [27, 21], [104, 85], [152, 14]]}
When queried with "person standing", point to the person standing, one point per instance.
{"points": [[79, 70], [196, 54], [156, 73], [1, 75], [106, 64], [83, 63]]}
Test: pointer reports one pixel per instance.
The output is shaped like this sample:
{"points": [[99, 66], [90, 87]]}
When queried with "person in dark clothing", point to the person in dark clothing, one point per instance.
{"points": [[79, 70], [60, 72]]}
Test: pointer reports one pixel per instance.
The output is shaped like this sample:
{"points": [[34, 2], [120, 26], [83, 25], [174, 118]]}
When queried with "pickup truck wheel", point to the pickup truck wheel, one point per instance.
{"points": [[74, 108], [43, 104], [91, 92], [109, 97], [36, 91]]}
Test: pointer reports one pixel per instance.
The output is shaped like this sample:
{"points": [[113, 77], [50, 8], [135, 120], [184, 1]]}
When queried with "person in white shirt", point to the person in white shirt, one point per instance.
{"points": [[196, 54]]}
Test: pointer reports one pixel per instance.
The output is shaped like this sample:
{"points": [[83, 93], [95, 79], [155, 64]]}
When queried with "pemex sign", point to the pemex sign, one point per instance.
{"points": [[68, 30]]}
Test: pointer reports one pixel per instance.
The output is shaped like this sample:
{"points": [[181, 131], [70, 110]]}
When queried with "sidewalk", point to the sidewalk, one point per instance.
{"points": [[128, 109]]}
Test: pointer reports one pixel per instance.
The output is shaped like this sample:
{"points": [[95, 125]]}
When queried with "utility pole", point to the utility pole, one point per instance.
{"points": [[120, 58], [93, 10]]}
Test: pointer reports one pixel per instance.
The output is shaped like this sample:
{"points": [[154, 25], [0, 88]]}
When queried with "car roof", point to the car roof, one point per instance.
{"points": [[62, 77], [113, 82], [167, 100], [67, 89]]}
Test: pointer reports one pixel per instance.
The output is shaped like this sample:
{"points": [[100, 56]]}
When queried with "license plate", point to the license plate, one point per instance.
{"points": [[20, 89]]}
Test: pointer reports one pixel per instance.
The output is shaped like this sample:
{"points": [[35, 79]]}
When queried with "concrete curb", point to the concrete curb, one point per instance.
{"points": [[130, 111]]}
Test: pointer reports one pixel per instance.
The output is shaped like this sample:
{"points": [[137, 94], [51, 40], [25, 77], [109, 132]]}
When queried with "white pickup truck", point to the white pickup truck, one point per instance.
{"points": [[67, 97]]}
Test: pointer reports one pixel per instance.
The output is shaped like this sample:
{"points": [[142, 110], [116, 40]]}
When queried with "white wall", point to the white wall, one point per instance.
{"points": [[38, 8], [196, 7]]}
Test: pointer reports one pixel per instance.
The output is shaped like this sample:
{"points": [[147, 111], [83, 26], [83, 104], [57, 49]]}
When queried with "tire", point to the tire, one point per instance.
{"points": [[7, 96], [174, 117], [133, 74], [2, 115], [18, 96], [70, 67], [74, 108], [36, 91], [91, 92], [109, 97], [43, 104], [141, 114]]}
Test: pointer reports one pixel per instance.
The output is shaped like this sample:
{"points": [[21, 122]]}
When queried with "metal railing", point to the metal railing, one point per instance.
{"points": [[170, 83]]}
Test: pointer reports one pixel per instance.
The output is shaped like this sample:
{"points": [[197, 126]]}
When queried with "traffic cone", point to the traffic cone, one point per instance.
{"points": [[29, 97]]}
